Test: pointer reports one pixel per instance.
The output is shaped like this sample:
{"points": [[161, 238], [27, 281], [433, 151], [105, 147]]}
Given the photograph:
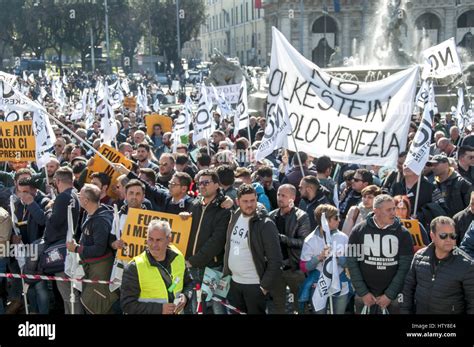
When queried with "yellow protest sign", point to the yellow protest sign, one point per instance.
{"points": [[17, 141], [413, 226], [100, 165], [134, 233], [154, 118], [130, 102]]}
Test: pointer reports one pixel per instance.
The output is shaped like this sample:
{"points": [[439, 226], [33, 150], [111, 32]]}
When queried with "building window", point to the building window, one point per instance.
{"points": [[241, 13], [232, 15]]}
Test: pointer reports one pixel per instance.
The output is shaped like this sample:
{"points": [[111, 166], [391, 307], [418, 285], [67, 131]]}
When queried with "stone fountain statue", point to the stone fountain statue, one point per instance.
{"points": [[389, 45], [227, 71]]}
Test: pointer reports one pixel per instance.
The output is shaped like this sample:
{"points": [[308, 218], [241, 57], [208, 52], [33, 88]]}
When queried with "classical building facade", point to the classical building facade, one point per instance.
{"points": [[236, 28], [318, 28]]}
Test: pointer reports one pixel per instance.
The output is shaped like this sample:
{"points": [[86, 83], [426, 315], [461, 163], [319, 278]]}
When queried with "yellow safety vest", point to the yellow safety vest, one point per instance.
{"points": [[152, 286]]}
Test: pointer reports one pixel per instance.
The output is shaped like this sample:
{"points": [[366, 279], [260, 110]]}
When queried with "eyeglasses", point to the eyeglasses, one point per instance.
{"points": [[204, 183], [444, 236], [172, 184]]}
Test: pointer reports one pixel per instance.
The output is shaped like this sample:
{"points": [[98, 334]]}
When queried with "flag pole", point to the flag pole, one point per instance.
{"points": [[415, 208], [77, 137], [298, 155]]}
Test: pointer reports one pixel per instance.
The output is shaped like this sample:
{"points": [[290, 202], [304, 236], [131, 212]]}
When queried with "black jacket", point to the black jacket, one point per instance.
{"points": [[161, 200], [207, 237], [453, 194], [447, 288], [322, 197], [297, 227], [56, 224], [130, 289], [386, 257], [463, 220], [264, 245], [36, 217], [94, 243], [426, 193]]}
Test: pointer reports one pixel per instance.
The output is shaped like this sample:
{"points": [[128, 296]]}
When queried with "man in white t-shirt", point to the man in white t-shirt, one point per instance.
{"points": [[252, 254]]}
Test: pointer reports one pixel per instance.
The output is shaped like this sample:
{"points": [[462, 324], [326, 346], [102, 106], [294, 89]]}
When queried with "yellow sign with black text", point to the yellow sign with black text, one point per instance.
{"points": [[413, 226], [100, 165], [17, 141], [134, 233]]}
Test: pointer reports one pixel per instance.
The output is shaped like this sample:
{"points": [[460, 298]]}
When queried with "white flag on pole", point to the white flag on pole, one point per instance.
{"points": [[202, 122], [72, 266], [419, 151], [328, 282], [108, 122], [241, 119], [441, 60], [156, 106], [460, 110], [117, 268], [276, 132]]}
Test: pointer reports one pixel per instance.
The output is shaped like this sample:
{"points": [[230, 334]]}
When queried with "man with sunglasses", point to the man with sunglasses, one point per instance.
{"points": [[362, 178], [208, 229], [441, 276]]}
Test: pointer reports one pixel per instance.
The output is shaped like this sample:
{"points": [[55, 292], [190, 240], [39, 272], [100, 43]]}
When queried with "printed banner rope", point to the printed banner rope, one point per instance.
{"points": [[67, 279], [52, 278]]}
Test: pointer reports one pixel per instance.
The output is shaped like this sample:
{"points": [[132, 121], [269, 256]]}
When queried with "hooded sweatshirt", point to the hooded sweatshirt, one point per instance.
{"points": [[94, 243], [379, 259]]}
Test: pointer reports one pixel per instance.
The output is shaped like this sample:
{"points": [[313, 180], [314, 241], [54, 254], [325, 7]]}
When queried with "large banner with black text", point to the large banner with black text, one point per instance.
{"points": [[362, 123]]}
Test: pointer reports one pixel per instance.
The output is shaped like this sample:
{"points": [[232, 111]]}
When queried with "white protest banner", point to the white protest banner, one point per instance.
{"points": [[243, 107], [419, 151], [352, 122], [202, 122], [224, 107], [108, 123], [181, 124], [10, 79], [12, 103], [441, 60], [230, 91], [276, 132]]}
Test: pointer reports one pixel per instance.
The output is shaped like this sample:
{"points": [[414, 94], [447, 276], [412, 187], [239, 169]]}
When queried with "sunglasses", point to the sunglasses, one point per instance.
{"points": [[444, 236], [204, 183], [357, 180]]}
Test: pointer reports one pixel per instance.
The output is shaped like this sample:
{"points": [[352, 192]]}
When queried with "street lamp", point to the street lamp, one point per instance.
{"points": [[107, 35], [178, 34]]}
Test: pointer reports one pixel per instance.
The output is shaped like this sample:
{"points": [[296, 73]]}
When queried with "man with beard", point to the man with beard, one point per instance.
{"points": [[143, 157]]}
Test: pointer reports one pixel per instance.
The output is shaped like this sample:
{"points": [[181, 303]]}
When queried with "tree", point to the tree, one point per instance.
{"points": [[10, 11], [127, 24], [163, 17]]}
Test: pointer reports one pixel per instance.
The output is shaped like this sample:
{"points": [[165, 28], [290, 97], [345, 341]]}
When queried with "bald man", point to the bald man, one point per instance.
{"points": [[293, 227]]}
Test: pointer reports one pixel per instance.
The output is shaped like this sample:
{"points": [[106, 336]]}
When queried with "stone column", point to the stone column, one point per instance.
{"points": [[450, 24], [345, 39]]}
